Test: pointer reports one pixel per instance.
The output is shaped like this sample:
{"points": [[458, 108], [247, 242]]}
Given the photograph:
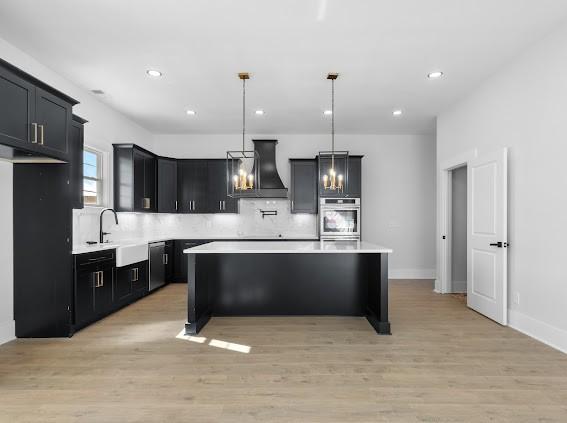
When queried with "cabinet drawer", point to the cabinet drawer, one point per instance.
{"points": [[96, 257]]}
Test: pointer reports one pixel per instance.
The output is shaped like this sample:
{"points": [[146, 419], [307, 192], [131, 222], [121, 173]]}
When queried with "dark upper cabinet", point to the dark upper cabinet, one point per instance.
{"points": [[304, 174], [76, 147], [219, 201], [167, 185], [34, 117], [17, 109], [354, 186], [135, 177], [192, 186], [352, 175], [53, 117]]}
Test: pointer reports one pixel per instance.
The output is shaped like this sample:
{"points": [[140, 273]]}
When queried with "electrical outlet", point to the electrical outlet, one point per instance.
{"points": [[517, 298]]}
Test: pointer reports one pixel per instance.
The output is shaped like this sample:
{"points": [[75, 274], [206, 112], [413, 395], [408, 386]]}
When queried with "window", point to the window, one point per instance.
{"points": [[92, 177]]}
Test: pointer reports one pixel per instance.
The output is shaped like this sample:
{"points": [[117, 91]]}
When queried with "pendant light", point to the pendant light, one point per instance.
{"points": [[333, 165], [242, 166]]}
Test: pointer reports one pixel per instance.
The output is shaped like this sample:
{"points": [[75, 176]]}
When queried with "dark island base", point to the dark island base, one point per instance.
{"points": [[284, 284]]}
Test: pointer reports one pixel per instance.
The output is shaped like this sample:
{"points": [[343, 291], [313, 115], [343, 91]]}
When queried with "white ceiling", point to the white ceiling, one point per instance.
{"points": [[383, 50]]}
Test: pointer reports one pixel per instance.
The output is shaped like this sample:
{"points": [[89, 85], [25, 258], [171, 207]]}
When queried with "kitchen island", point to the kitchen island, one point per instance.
{"points": [[271, 278]]}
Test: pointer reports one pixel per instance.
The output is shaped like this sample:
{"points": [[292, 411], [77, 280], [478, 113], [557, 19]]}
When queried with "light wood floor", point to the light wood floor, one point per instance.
{"points": [[444, 363]]}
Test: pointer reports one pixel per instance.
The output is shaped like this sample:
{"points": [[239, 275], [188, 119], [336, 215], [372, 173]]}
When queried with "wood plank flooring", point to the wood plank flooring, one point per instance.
{"points": [[443, 363]]}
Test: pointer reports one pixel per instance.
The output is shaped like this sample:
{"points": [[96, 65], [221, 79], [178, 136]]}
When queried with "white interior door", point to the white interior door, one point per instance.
{"points": [[487, 285]]}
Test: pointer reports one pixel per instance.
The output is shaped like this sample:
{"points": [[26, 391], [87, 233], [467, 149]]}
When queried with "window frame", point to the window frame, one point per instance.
{"points": [[99, 179]]}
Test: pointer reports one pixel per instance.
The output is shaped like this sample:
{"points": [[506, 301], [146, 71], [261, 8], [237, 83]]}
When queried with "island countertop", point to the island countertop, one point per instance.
{"points": [[288, 247]]}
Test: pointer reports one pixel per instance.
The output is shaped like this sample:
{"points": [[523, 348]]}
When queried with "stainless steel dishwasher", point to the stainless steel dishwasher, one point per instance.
{"points": [[158, 260]]}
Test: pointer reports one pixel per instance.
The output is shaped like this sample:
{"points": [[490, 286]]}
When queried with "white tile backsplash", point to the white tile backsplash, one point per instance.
{"points": [[248, 223]]}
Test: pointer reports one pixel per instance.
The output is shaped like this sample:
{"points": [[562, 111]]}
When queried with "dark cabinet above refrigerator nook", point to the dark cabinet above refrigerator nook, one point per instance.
{"points": [[34, 118]]}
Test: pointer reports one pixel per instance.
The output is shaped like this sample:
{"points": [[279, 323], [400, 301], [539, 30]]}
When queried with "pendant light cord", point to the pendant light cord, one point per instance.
{"points": [[243, 112], [332, 123]]}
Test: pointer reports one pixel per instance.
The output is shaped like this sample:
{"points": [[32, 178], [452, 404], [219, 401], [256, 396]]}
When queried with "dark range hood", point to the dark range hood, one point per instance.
{"points": [[271, 185]]}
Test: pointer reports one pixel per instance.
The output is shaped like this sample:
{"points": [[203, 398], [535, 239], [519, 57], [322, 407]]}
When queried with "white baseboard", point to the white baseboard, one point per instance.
{"points": [[411, 274], [459, 287], [543, 332], [7, 331]]}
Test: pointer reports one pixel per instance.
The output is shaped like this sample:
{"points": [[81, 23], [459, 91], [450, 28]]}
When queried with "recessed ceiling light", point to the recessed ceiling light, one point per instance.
{"points": [[191, 112], [397, 112], [435, 75], [153, 72], [328, 112], [259, 112]]}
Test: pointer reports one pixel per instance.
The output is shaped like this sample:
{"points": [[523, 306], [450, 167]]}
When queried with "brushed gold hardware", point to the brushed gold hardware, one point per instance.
{"points": [[41, 133], [146, 203], [34, 140], [243, 75]]}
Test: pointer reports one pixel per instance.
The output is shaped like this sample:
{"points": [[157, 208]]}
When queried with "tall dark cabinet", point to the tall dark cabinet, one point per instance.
{"points": [[76, 148], [42, 250], [135, 179], [303, 190], [166, 185]]}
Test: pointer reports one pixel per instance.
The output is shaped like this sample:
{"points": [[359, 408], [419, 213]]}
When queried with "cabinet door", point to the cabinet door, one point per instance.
{"points": [[140, 282], [84, 296], [324, 167], [192, 186], [167, 186], [354, 183], [103, 292], [216, 185], [76, 146], [125, 276], [17, 108], [53, 117], [139, 162], [304, 186], [150, 178]]}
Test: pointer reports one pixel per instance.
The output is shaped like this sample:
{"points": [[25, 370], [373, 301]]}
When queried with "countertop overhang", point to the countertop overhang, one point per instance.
{"points": [[288, 247]]}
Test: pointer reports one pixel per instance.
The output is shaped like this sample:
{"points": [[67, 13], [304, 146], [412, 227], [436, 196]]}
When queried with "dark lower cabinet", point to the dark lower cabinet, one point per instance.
{"points": [[100, 288], [94, 283], [131, 283]]}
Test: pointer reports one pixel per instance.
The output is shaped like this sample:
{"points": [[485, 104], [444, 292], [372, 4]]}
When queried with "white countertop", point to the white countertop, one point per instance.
{"points": [[85, 248], [305, 247]]}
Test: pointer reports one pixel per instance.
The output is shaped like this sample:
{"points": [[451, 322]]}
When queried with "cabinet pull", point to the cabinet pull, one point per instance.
{"points": [[146, 203], [34, 139], [193, 205], [41, 133], [175, 205], [101, 278], [224, 205], [134, 274], [164, 259]]}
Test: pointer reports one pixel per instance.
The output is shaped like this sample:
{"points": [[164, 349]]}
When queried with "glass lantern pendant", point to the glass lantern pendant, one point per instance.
{"points": [[243, 166], [333, 164]]}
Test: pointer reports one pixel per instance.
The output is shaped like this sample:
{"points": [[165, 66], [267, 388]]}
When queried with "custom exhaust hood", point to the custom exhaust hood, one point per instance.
{"points": [[270, 183]]}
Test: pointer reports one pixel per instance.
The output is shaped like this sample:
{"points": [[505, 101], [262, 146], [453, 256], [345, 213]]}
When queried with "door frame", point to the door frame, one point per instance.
{"points": [[443, 283]]}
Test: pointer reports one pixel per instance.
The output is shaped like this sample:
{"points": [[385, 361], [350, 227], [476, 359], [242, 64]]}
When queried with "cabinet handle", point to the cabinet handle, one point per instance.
{"points": [[193, 205], [95, 279], [146, 203], [41, 132], [223, 205], [164, 259], [34, 139], [134, 274], [175, 205]]}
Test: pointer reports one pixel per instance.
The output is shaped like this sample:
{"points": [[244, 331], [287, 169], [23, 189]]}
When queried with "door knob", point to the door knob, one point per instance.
{"points": [[499, 244]]}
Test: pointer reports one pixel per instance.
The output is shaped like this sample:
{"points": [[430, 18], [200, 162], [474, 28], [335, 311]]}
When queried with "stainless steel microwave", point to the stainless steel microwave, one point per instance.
{"points": [[339, 218]]}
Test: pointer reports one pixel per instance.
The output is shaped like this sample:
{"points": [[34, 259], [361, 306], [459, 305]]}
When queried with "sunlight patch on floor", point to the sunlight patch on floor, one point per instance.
{"points": [[231, 346]]}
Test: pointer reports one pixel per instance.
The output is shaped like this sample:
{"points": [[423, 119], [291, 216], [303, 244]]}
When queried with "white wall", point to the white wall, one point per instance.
{"points": [[6, 256], [105, 127], [459, 229], [523, 107], [398, 189]]}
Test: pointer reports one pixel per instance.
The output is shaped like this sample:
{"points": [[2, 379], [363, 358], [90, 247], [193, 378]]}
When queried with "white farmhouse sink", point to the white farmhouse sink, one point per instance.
{"points": [[131, 253]]}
